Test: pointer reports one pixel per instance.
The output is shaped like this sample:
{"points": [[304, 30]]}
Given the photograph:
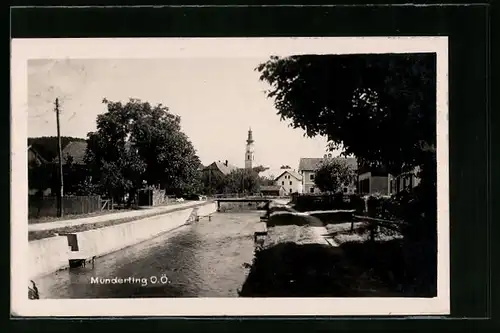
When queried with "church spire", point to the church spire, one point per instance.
{"points": [[250, 138], [249, 151]]}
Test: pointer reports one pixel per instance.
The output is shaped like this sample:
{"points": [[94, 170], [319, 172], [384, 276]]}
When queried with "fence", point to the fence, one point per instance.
{"points": [[306, 202], [151, 197], [236, 195], [72, 205], [377, 226]]}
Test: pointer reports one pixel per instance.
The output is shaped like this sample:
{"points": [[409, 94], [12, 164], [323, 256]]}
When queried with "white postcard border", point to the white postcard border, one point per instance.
{"points": [[147, 48]]}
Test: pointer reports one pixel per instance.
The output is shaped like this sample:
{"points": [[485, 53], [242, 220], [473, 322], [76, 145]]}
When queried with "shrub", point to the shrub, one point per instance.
{"points": [[378, 205], [357, 203]]}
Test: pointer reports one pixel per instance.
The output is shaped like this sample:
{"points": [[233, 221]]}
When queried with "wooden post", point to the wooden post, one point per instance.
{"points": [[373, 225], [60, 206]]}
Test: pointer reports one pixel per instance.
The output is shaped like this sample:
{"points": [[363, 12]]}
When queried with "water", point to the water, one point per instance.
{"points": [[205, 259]]}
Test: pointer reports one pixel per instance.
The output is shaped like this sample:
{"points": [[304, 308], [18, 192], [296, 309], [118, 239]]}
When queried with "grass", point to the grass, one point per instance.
{"points": [[288, 265], [46, 219], [41, 234], [308, 270]]}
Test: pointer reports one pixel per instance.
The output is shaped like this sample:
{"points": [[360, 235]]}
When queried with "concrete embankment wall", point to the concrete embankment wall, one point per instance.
{"points": [[47, 255], [207, 209], [50, 254]]}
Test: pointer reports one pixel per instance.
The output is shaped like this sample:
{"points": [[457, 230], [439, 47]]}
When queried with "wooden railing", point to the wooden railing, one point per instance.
{"points": [[374, 225]]}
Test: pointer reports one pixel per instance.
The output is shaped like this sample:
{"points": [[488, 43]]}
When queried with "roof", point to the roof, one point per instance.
{"points": [[75, 149], [271, 188], [37, 154], [222, 167], [271, 173], [293, 173], [310, 164]]}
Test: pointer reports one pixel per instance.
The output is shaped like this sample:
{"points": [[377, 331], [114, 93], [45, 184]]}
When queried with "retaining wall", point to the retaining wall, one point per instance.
{"points": [[50, 254], [207, 209], [47, 255]]}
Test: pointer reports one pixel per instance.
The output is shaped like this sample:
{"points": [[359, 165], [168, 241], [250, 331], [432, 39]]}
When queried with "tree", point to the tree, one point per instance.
{"points": [[259, 168], [285, 167], [137, 142], [213, 182], [265, 181], [380, 108], [333, 174], [242, 181]]}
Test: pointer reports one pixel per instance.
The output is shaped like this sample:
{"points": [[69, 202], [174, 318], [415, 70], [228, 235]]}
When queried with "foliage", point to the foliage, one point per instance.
{"points": [[379, 206], [380, 108], [389, 99], [137, 142], [332, 175], [259, 168], [213, 182], [265, 181], [307, 202], [285, 167], [242, 181], [357, 203]]}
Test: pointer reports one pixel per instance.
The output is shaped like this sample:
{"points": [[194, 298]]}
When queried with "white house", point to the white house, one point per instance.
{"points": [[290, 180], [307, 169]]}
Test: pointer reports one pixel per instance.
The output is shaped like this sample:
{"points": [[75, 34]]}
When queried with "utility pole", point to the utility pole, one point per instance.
{"points": [[60, 208]]}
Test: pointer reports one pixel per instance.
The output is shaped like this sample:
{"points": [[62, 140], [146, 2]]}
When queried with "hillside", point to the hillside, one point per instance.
{"points": [[46, 146]]}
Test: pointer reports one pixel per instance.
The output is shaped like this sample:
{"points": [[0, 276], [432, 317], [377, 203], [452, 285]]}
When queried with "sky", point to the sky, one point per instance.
{"points": [[217, 99]]}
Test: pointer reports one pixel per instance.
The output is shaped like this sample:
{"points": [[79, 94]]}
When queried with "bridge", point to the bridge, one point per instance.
{"points": [[264, 200]]}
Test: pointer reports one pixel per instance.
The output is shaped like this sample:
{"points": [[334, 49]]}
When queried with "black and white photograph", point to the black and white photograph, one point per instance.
{"points": [[218, 176]]}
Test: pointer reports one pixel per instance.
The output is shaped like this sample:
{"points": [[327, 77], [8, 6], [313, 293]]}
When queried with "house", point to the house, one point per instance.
{"points": [[38, 173], [223, 168], [373, 179], [307, 169], [34, 158], [74, 152], [273, 191], [74, 166], [404, 181], [290, 180], [270, 173]]}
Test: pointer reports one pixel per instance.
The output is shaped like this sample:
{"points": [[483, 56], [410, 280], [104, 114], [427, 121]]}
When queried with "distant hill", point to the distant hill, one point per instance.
{"points": [[46, 146]]}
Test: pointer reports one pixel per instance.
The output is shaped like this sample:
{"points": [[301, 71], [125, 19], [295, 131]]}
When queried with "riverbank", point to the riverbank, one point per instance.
{"points": [[50, 229], [50, 254], [203, 259], [295, 263]]}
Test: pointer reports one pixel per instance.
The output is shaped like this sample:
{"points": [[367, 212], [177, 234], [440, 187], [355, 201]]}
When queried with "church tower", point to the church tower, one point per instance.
{"points": [[249, 152]]}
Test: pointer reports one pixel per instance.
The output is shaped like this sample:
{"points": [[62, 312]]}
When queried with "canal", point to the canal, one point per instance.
{"points": [[205, 259]]}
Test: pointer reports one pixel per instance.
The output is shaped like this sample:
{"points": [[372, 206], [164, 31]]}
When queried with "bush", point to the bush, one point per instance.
{"points": [[357, 203], [378, 206]]}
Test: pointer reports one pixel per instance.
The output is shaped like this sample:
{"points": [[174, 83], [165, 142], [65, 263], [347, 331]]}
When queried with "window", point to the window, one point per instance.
{"points": [[290, 182], [290, 190], [248, 157], [345, 189], [311, 176], [283, 183], [311, 190]]}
